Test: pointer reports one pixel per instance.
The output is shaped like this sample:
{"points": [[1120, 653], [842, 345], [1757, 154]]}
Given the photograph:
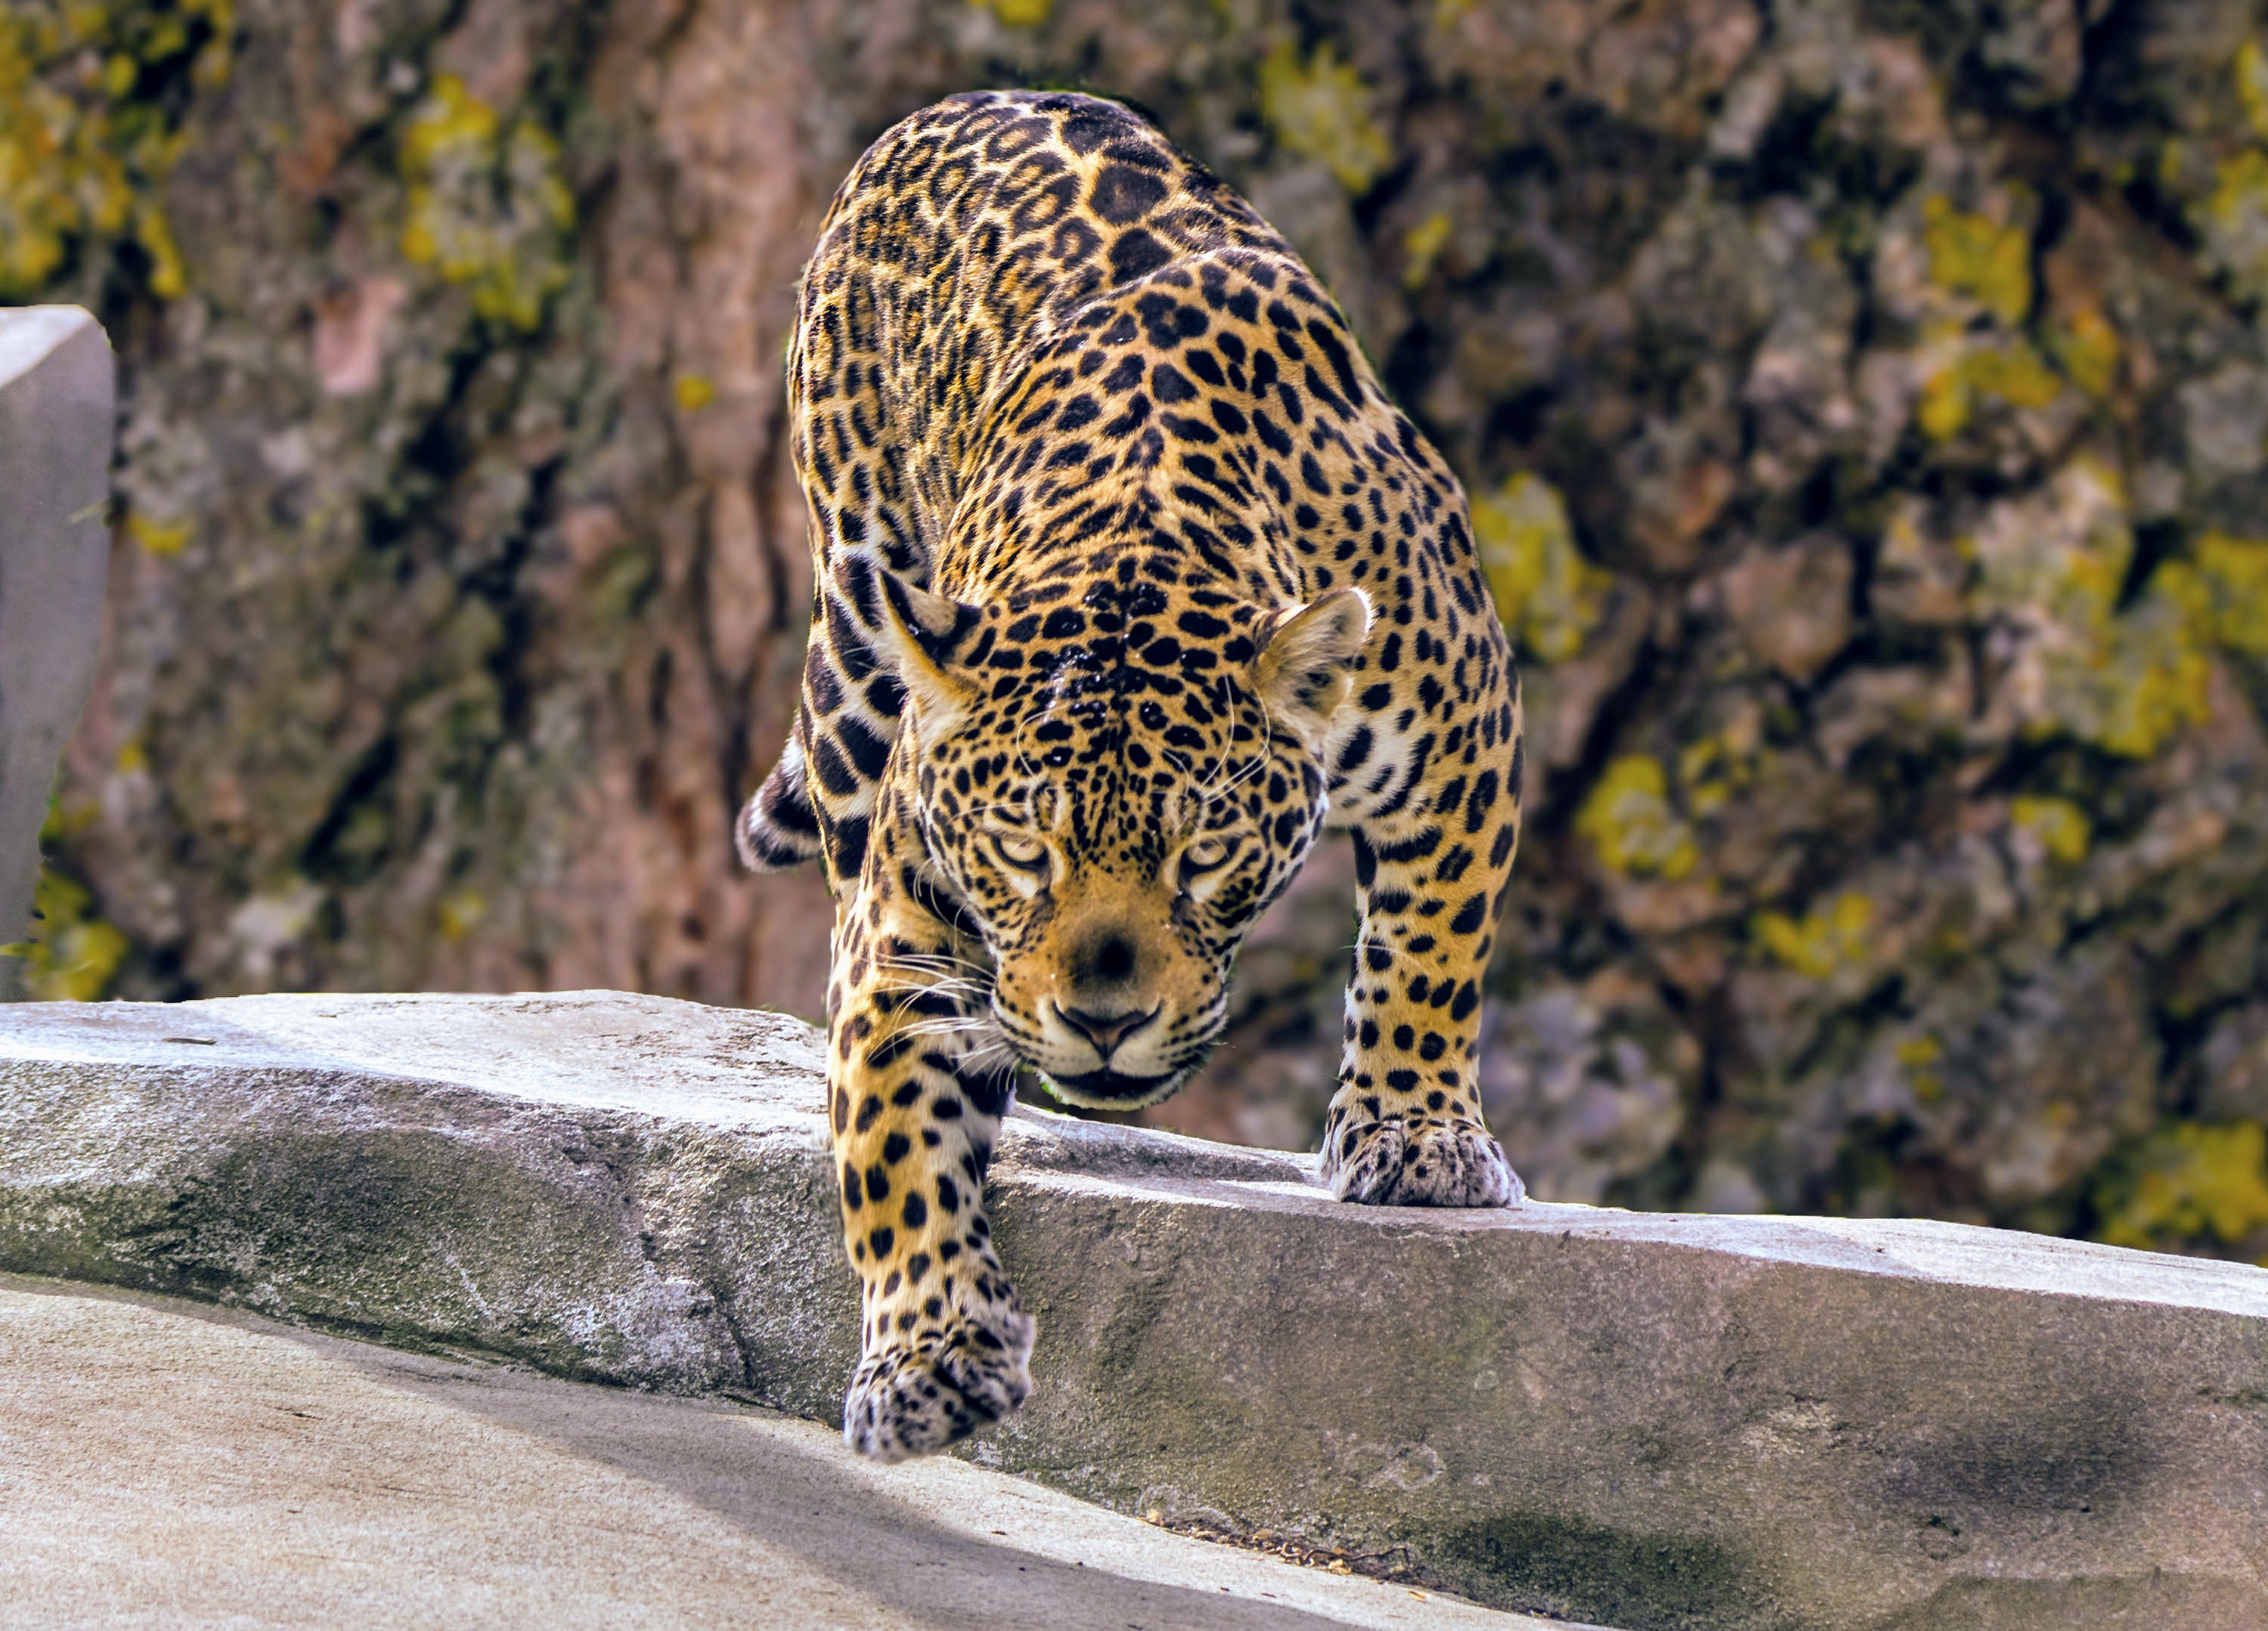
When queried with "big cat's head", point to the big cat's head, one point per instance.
{"points": [[1118, 775]]}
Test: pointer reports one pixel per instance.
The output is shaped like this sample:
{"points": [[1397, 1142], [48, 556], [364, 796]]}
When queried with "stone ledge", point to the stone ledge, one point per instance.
{"points": [[170, 1464], [1647, 1420]]}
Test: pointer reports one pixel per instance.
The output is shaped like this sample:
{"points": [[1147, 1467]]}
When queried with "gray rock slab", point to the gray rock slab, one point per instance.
{"points": [[55, 426], [163, 1463], [1643, 1421]]}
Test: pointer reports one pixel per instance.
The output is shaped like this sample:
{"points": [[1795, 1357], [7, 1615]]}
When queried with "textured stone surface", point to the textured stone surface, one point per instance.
{"points": [[168, 1464], [1864, 401], [56, 406], [1646, 1420]]}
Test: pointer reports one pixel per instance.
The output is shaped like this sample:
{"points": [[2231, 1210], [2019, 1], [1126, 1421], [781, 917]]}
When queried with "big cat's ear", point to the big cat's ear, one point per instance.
{"points": [[923, 637], [1302, 669]]}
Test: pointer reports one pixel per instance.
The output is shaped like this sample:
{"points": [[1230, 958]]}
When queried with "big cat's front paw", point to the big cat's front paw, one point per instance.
{"points": [[1430, 1164], [939, 1387]]}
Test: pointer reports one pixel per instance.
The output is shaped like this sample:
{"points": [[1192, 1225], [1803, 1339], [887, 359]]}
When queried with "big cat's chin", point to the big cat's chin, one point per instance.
{"points": [[1107, 1090]]}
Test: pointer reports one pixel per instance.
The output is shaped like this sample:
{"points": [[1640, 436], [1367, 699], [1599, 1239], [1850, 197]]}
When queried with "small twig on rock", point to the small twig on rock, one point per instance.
{"points": [[1396, 1562]]}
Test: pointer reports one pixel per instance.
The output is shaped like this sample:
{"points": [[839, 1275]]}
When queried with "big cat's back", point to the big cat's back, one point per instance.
{"points": [[962, 239]]}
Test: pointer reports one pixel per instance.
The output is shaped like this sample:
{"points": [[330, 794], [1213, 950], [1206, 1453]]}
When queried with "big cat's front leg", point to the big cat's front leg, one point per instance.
{"points": [[1405, 1126], [917, 1091]]}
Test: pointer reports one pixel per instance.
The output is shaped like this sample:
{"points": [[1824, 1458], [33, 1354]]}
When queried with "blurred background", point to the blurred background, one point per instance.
{"points": [[1863, 403]]}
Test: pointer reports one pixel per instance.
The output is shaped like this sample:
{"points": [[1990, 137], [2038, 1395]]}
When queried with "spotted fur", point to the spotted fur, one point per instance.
{"points": [[1132, 580]]}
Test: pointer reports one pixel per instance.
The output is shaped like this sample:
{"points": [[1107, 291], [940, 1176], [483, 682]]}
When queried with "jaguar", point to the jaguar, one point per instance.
{"points": [[1131, 581]]}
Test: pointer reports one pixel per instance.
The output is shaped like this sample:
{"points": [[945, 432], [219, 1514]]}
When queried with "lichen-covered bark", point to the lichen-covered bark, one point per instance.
{"points": [[1864, 406]]}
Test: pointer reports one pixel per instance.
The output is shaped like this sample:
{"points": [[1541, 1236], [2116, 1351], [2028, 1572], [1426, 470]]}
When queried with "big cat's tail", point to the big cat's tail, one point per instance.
{"points": [[777, 829]]}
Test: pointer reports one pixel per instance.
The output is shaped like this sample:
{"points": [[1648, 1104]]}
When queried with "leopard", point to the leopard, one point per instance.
{"points": [[1130, 579]]}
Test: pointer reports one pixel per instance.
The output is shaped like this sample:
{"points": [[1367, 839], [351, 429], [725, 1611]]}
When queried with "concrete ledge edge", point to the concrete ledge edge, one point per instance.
{"points": [[1634, 1419]]}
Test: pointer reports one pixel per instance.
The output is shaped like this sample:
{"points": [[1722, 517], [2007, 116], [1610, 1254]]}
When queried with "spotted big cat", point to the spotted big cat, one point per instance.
{"points": [[1131, 581]]}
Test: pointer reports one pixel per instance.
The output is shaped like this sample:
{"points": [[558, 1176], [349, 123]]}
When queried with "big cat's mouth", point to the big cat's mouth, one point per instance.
{"points": [[1109, 1090]]}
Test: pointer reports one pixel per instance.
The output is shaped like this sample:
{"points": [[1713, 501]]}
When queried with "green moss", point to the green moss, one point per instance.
{"points": [[1319, 108], [1547, 595], [90, 112], [488, 207]]}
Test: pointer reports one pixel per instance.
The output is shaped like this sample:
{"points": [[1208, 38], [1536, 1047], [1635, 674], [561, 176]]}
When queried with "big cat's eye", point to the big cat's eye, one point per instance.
{"points": [[1022, 850], [1204, 856]]}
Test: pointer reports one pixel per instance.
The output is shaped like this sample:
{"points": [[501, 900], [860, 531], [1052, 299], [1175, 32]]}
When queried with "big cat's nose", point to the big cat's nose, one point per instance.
{"points": [[1105, 1032], [1106, 960]]}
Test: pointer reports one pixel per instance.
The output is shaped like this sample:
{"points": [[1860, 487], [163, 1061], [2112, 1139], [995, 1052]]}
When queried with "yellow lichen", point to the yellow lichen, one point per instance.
{"points": [[159, 538], [1944, 410], [2053, 566], [2252, 87], [1920, 1050], [2225, 190], [694, 391], [2192, 1183], [2239, 182], [487, 208], [82, 154], [2230, 598], [1629, 822], [460, 913], [1547, 594], [1712, 768], [1422, 246], [2061, 825], [168, 279], [2086, 346], [2175, 157], [2151, 678], [65, 820], [69, 956], [1320, 109], [2013, 373], [1824, 940], [1019, 14], [2234, 221], [1916, 1056], [1973, 255]]}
